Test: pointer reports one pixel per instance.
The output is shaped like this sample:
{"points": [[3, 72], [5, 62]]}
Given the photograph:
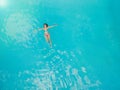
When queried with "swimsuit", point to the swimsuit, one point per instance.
{"points": [[47, 34]]}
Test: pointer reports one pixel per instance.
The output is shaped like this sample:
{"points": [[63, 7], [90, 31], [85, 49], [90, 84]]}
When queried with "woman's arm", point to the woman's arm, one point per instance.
{"points": [[52, 26], [40, 28]]}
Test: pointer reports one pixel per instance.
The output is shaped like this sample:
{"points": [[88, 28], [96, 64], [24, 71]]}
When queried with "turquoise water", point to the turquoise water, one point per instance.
{"points": [[86, 43]]}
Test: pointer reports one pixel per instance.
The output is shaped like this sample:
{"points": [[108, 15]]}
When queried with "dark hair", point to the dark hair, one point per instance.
{"points": [[45, 24]]}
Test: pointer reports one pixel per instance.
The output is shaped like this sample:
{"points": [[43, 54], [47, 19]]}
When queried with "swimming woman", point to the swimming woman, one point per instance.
{"points": [[46, 33]]}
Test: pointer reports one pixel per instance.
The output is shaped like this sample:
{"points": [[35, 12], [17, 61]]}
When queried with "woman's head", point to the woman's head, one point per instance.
{"points": [[45, 25]]}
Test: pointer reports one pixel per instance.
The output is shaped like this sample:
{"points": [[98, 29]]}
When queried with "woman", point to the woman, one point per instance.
{"points": [[46, 33]]}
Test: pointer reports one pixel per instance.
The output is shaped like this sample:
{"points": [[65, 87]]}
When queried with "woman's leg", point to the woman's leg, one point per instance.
{"points": [[49, 41], [47, 37]]}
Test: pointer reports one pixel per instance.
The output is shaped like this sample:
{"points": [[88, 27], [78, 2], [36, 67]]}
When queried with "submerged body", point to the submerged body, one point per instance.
{"points": [[46, 33], [47, 36]]}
